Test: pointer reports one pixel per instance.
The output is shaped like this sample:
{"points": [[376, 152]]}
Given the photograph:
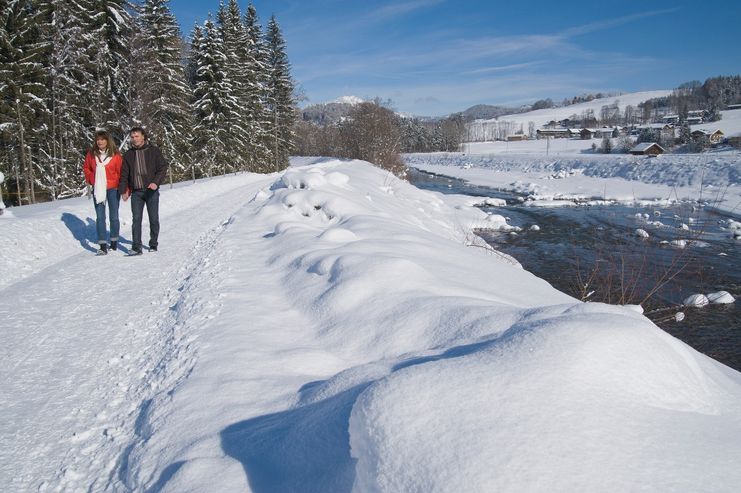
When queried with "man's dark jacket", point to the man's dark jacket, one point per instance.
{"points": [[141, 167]]}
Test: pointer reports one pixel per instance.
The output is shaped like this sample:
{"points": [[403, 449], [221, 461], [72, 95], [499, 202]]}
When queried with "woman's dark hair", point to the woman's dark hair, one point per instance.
{"points": [[112, 149], [140, 130]]}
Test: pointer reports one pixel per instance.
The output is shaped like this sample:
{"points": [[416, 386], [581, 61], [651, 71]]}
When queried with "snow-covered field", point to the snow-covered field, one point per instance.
{"points": [[334, 329], [563, 175]]}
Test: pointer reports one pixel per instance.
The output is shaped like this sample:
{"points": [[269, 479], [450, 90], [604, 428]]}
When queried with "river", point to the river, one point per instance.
{"points": [[594, 253]]}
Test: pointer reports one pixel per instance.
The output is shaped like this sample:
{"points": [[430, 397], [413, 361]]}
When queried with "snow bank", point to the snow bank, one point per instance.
{"points": [[588, 398], [361, 345], [717, 298], [711, 178], [721, 298]]}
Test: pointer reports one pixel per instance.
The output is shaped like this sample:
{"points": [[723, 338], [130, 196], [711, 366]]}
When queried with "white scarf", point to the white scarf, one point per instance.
{"points": [[101, 179]]}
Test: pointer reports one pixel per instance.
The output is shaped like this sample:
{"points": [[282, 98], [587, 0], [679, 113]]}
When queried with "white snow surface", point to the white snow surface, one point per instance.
{"points": [[332, 328], [543, 116], [729, 124], [567, 175]]}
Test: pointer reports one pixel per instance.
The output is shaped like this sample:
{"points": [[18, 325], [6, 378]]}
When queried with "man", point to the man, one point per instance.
{"points": [[143, 171]]}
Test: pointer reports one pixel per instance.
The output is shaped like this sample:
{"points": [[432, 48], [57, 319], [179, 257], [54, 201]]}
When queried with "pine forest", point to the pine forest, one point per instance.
{"points": [[221, 102]]}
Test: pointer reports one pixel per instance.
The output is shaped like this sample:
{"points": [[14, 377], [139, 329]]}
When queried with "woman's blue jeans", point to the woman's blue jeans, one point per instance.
{"points": [[112, 198]]}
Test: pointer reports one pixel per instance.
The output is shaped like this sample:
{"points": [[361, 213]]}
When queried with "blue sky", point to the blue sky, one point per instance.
{"points": [[434, 57]]}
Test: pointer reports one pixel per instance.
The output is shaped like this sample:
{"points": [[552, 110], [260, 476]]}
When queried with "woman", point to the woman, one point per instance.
{"points": [[103, 172]]}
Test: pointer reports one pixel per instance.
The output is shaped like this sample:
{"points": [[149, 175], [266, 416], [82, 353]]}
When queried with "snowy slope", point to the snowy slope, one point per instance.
{"points": [[333, 329], [541, 117], [729, 124]]}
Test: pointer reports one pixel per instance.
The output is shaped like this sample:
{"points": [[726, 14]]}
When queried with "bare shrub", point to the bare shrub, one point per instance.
{"points": [[370, 133]]}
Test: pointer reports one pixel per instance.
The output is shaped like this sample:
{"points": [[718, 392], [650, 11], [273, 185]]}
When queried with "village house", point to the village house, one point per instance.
{"points": [[566, 123], [647, 149], [586, 133], [516, 137], [713, 136], [609, 132], [695, 117], [666, 130], [556, 133]]}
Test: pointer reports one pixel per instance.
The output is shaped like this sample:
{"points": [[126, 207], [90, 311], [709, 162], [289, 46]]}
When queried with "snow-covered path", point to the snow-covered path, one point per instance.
{"points": [[85, 345], [255, 352]]}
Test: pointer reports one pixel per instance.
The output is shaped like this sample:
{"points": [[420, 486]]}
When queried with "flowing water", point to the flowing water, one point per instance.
{"points": [[593, 253]]}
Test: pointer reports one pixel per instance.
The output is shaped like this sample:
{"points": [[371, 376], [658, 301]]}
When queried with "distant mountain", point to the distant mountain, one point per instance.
{"points": [[332, 112], [349, 100], [325, 113]]}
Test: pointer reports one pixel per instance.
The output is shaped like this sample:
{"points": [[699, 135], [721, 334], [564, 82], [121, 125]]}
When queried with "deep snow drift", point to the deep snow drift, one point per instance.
{"points": [[341, 330]]}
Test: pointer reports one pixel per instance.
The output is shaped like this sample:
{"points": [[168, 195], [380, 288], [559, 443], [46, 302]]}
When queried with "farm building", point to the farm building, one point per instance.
{"points": [[714, 137], [556, 133], [647, 149], [667, 130], [609, 132]]}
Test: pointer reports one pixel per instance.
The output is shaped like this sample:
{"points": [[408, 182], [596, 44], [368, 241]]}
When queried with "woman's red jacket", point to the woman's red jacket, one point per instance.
{"points": [[113, 170]]}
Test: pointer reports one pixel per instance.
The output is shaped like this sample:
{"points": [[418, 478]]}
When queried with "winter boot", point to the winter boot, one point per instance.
{"points": [[114, 245], [103, 249]]}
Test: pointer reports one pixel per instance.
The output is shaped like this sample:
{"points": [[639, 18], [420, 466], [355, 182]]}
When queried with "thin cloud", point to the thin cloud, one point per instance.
{"points": [[399, 9], [502, 68], [440, 71], [602, 25]]}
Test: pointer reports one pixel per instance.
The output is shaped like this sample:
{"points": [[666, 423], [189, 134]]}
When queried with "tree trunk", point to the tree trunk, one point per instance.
{"points": [[24, 160]]}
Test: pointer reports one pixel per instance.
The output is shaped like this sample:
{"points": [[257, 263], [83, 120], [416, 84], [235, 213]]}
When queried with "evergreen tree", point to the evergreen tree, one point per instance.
{"points": [[87, 86], [162, 93], [235, 46], [22, 92], [685, 133], [71, 83], [258, 112], [210, 93], [282, 101], [109, 36], [194, 50]]}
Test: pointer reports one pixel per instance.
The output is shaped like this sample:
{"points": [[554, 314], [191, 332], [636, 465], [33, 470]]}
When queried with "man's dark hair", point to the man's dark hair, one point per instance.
{"points": [[140, 130]]}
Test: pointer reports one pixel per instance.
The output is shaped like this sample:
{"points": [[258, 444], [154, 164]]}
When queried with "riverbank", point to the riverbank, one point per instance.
{"points": [[712, 178]]}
